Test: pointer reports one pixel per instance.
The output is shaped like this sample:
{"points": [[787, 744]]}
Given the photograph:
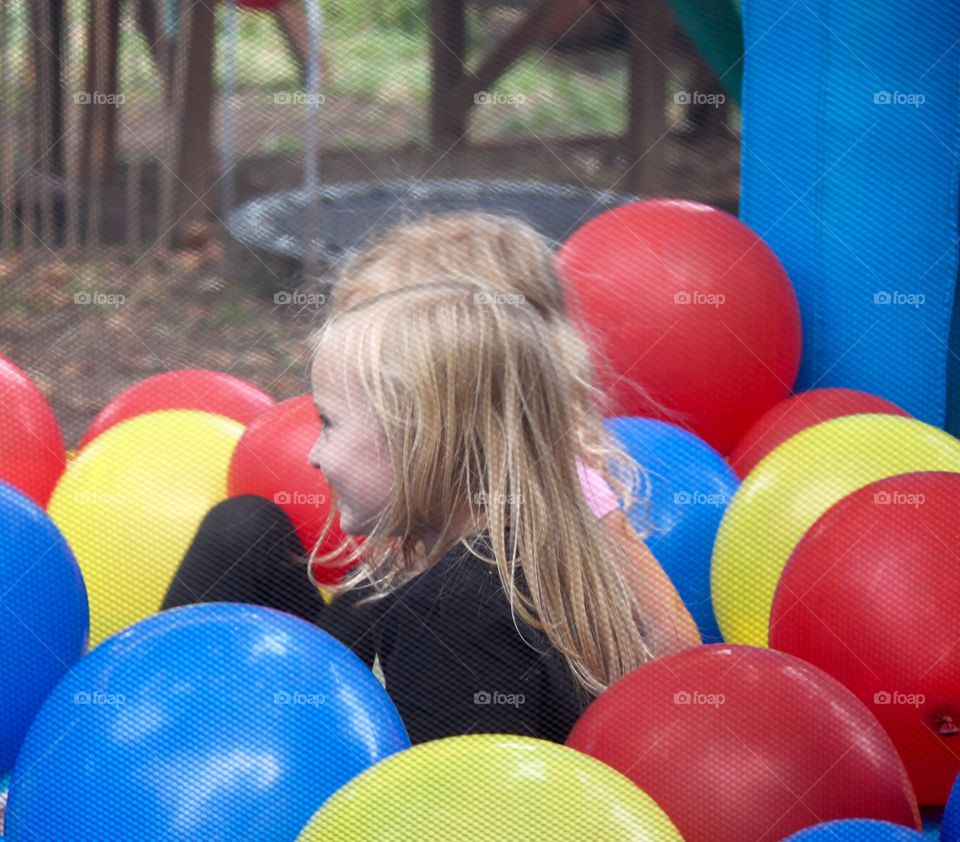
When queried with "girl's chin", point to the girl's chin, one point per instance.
{"points": [[348, 523]]}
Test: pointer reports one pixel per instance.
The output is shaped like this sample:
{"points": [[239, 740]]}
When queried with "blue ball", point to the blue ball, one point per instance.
{"points": [[950, 829], [209, 721], [44, 616], [691, 487], [856, 830]]}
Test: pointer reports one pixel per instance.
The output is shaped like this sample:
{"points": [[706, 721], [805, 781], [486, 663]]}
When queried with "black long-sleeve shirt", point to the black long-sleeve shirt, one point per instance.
{"points": [[453, 661]]}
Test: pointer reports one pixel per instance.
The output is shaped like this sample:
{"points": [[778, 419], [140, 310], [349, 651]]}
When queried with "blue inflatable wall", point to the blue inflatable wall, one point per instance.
{"points": [[851, 152]]}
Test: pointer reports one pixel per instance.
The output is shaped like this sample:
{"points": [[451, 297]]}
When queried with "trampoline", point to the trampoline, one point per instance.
{"points": [[340, 219]]}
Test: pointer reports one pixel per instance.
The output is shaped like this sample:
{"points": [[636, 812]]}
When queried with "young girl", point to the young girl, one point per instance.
{"points": [[451, 440], [231, 560], [514, 260]]}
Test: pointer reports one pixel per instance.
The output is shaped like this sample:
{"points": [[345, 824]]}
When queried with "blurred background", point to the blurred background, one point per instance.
{"points": [[138, 137]]}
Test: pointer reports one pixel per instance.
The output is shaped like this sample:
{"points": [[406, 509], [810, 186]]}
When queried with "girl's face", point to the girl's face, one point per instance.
{"points": [[351, 449]]}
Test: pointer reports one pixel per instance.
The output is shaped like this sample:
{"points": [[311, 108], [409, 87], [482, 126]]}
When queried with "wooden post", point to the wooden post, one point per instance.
{"points": [[8, 197], [645, 143], [98, 111], [73, 155], [448, 46], [194, 119]]}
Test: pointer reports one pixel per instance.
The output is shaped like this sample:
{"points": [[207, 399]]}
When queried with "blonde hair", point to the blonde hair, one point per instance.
{"points": [[477, 414], [513, 258], [505, 312]]}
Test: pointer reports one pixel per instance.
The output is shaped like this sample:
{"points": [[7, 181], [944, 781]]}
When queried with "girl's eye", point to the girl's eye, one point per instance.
{"points": [[324, 421]]}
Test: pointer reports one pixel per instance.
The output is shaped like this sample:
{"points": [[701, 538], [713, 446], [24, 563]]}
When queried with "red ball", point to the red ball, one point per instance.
{"points": [[689, 303], [271, 460], [742, 742], [207, 391], [871, 594], [798, 412], [32, 453]]}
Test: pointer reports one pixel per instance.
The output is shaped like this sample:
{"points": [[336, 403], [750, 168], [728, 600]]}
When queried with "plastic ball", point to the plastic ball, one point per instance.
{"points": [[198, 389], [870, 595], [209, 721], [131, 503], [32, 453], [490, 786], [44, 617], [790, 488], [738, 742], [856, 830], [691, 486], [798, 412], [690, 304], [950, 828], [271, 460]]}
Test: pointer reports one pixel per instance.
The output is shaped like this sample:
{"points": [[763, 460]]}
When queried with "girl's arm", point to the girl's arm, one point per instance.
{"points": [[671, 625]]}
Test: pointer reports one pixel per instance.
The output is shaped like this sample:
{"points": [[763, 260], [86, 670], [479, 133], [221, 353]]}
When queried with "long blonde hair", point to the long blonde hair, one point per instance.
{"points": [[511, 257], [484, 420]]}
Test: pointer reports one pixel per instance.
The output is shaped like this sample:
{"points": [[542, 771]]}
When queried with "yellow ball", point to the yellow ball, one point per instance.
{"points": [[790, 488], [490, 786], [130, 504]]}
